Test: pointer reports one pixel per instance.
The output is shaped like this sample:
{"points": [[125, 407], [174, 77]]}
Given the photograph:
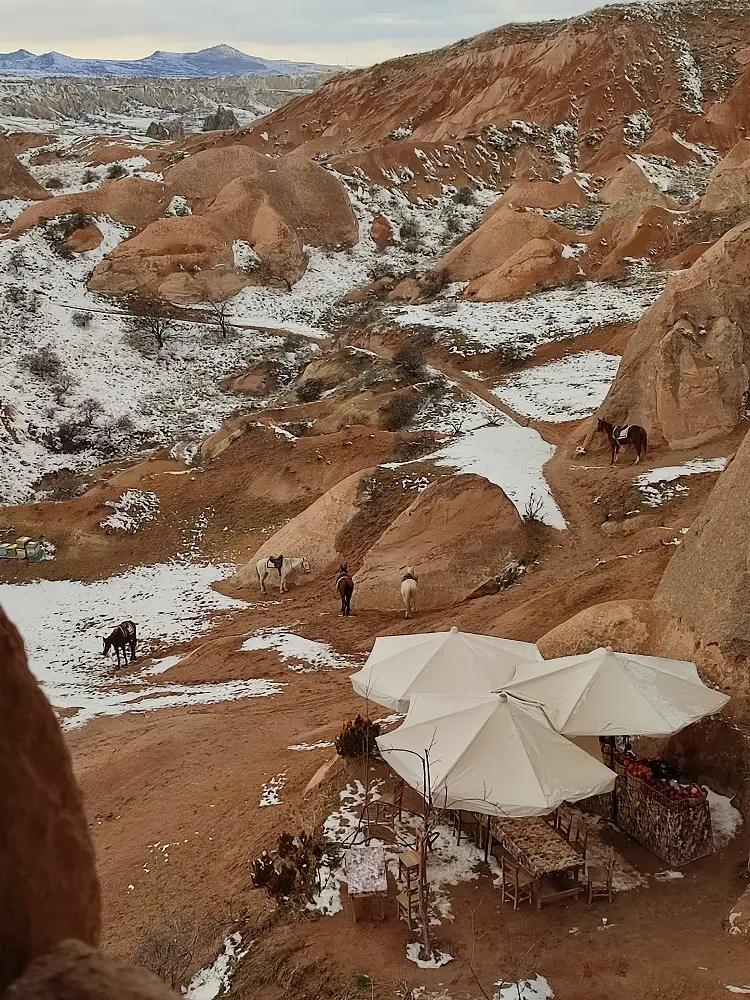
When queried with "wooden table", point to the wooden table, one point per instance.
{"points": [[541, 851], [367, 880]]}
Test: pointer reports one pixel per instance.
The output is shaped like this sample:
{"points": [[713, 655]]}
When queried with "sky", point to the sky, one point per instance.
{"points": [[342, 32]]}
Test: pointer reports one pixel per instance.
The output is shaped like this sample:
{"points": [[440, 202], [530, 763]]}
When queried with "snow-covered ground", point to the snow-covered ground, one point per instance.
{"points": [[303, 655], [63, 623], [568, 389], [660, 485], [478, 327], [131, 510], [508, 455], [216, 979], [157, 400]]}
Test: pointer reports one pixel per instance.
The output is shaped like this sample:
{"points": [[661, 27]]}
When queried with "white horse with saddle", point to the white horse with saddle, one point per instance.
{"points": [[280, 568]]}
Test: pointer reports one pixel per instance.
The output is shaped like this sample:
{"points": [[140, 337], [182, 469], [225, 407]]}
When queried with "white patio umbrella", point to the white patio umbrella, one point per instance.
{"points": [[490, 755], [604, 693], [454, 662]]}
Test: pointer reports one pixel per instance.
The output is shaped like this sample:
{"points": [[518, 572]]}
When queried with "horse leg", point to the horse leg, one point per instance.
{"points": [[132, 650]]}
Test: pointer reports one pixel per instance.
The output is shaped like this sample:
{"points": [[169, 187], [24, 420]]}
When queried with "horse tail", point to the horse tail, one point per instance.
{"points": [[645, 440]]}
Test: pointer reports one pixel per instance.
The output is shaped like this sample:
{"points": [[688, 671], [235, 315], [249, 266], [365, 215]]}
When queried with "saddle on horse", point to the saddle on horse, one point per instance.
{"points": [[408, 576], [620, 434], [275, 562]]}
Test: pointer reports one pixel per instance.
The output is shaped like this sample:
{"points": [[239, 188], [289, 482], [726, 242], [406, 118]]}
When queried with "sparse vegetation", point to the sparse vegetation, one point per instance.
{"points": [[409, 360], [44, 363], [399, 411], [465, 196], [291, 876], [168, 950], [532, 512], [513, 354], [89, 176], [356, 738], [150, 324], [115, 171], [410, 229], [311, 390], [54, 183], [82, 319]]}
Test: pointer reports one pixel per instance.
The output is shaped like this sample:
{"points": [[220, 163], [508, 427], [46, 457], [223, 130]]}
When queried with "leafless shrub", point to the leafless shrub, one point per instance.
{"points": [[62, 386], [90, 176], [291, 877], [115, 171], [399, 411], [512, 354], [44, 363], [532, 512], [465, 196], [82, 319], [409, 361], [168, 950], [410, 229], [311, 390], [54, 183]]}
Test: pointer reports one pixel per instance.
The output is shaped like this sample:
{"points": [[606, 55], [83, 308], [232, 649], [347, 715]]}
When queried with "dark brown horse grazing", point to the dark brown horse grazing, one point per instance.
{"points": [[621, 437], [123, 638], [345, 587]]}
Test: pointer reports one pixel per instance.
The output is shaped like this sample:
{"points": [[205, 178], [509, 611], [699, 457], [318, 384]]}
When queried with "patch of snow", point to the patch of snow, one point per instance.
{"points": [[574, 251], [637, 127], [436, 961], [244, 256], [471, 328], [271, 794], [11, 208], [690, 75], [178, 206], [659, 485], [161, 666], [216, 979], [320, 745], [63, 623], [726, 821], [508, 455], [302, 654], [568, 389], [527, 989], [131, 510], [668, 876], [739, 989]]}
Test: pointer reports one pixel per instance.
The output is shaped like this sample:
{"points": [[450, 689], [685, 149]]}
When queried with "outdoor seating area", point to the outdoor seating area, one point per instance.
{"points": [[496, 754]]}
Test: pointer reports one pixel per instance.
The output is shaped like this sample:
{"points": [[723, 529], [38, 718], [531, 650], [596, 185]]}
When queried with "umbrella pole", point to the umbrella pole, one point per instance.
{"points": [[487, 840]]}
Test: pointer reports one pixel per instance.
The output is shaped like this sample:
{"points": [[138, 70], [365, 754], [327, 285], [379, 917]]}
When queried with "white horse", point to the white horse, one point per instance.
{"points": [[409, 590], [289, 566]]}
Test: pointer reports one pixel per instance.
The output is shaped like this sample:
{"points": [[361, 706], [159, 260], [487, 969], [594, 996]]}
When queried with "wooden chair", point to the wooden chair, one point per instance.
{"points": [[408, 867], [580, 837], [600, 878], [517, 884], [407, 906], [551, 819], [469, 824], [389, 807], [564, 820]]}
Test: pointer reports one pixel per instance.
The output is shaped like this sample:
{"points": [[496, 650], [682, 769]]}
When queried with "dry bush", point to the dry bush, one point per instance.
{"points": [[356, 738], [534, 509], [150, 324], [409, 360], [44, 363], [465, 196], [290, 877], [54, 183], [82, 319], [115, 171], [399, 411], [89, 176], [168, 950], [311, 390]]}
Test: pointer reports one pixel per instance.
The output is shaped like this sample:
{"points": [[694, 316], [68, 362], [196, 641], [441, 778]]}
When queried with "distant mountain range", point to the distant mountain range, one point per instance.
{"points": [[220, 60]]}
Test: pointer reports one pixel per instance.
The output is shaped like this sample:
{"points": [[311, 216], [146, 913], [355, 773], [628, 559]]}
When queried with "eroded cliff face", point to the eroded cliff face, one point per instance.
{"points": [[684, 376], [48, 885]]}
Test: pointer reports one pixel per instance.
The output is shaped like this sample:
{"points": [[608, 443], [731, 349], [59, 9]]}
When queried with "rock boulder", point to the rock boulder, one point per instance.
{"points": [[538, 265], [459, 533], [15, 179]]}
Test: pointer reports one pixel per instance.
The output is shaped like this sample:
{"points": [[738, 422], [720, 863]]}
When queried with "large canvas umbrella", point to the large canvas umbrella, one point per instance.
{"points": [[616, 694], [490, 755], [454, 662]]}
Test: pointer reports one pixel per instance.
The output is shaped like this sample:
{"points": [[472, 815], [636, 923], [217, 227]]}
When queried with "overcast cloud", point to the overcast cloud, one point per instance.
{"points": [[350, 32]]}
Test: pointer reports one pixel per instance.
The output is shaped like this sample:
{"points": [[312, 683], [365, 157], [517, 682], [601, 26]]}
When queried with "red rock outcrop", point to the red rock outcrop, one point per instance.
{"points": [[130, 201], [538, 265], [84, 239], [381, 231], [73, 971], [501, 235], [458, 534], [685, 371], [276, 206], [706, 586], [729, 185], [542, 194], [48, 885], [15, 180]]}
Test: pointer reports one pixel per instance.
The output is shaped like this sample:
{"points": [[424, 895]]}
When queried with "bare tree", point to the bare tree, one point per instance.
{"points": [[217, 306], [151, 319]]}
